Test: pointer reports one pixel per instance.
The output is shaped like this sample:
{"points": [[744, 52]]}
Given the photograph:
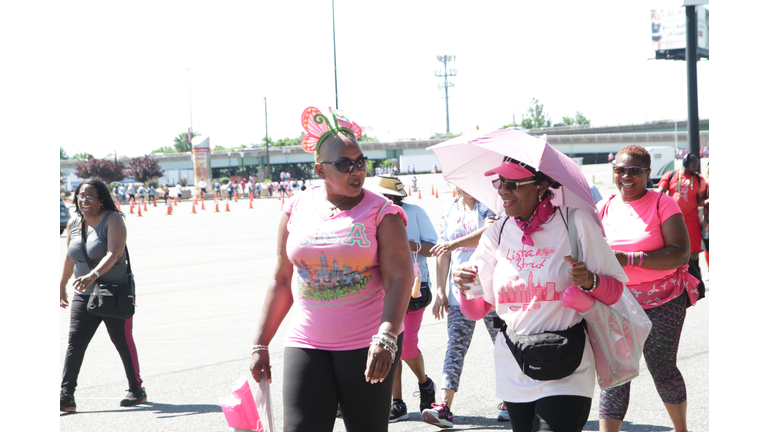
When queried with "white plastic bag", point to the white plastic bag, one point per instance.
{"points": [[617, 334]]}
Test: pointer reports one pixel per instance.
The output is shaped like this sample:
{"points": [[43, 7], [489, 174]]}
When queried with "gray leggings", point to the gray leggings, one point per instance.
{"points": [[660, 353], [460, 331]]}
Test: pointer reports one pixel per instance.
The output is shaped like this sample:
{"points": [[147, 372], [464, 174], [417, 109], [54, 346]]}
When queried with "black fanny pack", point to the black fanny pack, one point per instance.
{"points": [[546, 356], [424, 300]]}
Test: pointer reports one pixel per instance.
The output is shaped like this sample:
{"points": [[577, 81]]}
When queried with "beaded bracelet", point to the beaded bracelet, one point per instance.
{"points": [[260, 348], [394, 336], [386, 341], [595, 281], [387, 344]]}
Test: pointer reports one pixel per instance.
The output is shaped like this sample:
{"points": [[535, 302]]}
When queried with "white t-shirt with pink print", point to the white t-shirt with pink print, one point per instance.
{"points": [[338, 296], [524, 285]]}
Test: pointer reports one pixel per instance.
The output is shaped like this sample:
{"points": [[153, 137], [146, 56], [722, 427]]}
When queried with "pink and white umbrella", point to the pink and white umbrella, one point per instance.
{"points": [[465, 160]]}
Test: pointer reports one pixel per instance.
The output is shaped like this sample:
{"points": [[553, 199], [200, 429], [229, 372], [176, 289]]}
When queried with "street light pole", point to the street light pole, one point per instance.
{"points": [[266, 128]]}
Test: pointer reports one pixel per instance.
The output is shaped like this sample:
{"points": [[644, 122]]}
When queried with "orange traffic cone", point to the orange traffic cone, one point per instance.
{"points": [[227, 206], [193, 209], [170, 209], [132, 203], [433, 190], [235, 196], [131, 208], [409, 191], [139, 210], [436, 194], [454, 193], [118, 205], [175, 200], [250, 205], [202, 204], [251, 194], [145, 206], [217, 206], [154, 200], [419, 193], [195, 203]]}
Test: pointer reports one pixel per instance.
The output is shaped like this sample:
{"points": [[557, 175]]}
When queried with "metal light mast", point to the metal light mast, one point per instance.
{"points": [[445, 73]]}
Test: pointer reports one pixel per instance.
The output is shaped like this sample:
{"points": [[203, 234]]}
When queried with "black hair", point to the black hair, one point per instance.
{"points": [[101, 189], [396, 199], [688, 158], [637, 152]]}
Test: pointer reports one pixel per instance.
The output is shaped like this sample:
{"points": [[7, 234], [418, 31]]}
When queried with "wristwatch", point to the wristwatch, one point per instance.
{"points": [[96, 273]]}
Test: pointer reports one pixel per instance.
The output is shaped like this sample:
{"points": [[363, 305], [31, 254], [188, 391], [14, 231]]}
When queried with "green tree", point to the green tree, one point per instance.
{"points": [[581, 120], [181, 144], [536, 117], [82, 156], [62, 154], [366, 138]]}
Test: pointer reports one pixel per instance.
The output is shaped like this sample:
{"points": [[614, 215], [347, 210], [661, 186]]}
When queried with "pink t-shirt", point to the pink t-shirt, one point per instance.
{"points": [[636, 226], [337, 288]]}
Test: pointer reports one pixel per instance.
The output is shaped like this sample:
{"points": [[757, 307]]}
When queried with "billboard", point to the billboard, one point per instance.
{"points": [[668, 32]]}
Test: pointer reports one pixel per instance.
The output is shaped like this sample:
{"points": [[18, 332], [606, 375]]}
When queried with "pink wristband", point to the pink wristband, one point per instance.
{"points": [[640, 263], [631, 259]]}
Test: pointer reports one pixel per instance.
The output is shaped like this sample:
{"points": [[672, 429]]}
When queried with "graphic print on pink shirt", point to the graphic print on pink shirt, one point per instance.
{"points": [[323, 284]]}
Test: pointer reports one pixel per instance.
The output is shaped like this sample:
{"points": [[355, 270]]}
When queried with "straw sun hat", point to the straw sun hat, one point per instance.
{"points": [[386, 185]]}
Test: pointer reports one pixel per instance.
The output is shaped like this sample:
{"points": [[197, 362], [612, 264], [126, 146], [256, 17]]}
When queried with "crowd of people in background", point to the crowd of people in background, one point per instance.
{"points": [[669, 238]]}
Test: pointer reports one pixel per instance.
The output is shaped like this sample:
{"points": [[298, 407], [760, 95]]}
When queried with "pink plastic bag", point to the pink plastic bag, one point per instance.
{"points": [[240, 408]]}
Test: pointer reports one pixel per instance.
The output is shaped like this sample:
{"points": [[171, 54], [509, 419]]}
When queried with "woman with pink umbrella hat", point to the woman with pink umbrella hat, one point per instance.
{"points": [[527, 274]]}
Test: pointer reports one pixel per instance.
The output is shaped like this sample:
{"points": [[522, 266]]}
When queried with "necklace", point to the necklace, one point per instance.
{"points": [[335, 207]]}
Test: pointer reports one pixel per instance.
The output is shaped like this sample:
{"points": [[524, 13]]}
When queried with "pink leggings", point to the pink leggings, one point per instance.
{"points": [[411, 326]]}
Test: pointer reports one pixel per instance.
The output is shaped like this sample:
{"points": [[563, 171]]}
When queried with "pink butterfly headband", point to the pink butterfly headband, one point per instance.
{"points": [[318, 128]]}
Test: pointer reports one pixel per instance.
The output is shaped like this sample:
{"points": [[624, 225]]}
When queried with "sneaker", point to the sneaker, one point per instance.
{"points": [[427, 395], [67, 402], [503, 413], [134, 397], [398, 411], [439, 415]]}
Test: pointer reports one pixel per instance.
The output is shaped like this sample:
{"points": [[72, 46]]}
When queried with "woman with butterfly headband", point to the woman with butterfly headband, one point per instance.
{"points": [[343, 262], [647, 233]]}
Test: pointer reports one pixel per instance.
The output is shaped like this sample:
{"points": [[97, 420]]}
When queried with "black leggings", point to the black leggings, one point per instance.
{"points": [[82, 327], [553, 413], [316, 381]]}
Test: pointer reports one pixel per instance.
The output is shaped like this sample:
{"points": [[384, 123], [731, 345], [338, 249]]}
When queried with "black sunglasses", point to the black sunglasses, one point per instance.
{"points": [[633, 170], [347, 165], [511, 185]]}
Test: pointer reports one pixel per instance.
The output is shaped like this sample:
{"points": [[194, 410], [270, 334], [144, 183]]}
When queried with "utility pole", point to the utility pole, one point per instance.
{"points": [[335, 79], [266, 128], [189, 85], [445, 73]]}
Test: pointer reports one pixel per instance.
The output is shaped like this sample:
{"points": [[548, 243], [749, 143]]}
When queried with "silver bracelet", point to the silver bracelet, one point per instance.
{"points": [[418, 246], [260, 348]]}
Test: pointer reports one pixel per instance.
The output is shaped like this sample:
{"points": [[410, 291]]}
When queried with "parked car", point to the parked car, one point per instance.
{"points": [[64, 216]]}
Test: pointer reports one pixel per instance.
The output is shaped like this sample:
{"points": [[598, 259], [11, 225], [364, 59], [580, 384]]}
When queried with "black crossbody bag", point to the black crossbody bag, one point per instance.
{"points": [[109, 300], [546, 356]]}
